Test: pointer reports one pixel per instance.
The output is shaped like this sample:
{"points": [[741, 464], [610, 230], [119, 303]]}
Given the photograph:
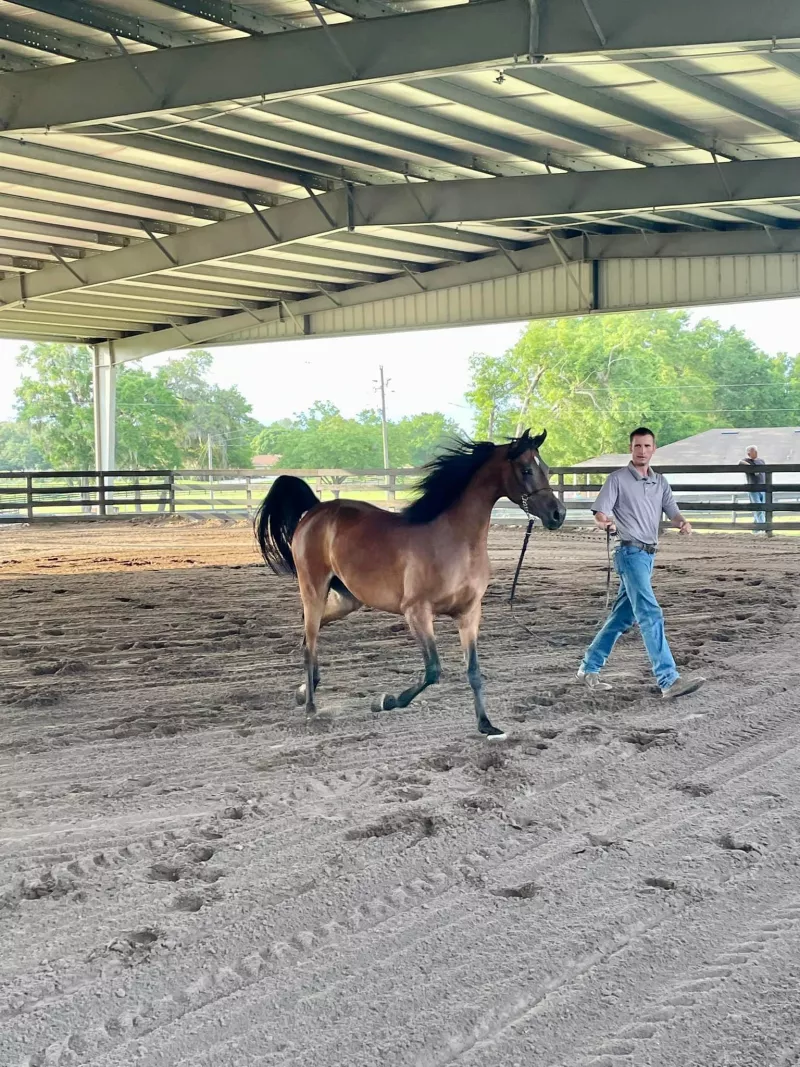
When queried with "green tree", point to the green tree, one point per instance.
{"points": [[17, 450], [149, 422], [224, 415], [54, 403], [163, 419], [322, 437], [415, 439], [589, 380]]}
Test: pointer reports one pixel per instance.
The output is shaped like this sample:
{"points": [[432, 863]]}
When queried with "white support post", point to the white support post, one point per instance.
{"points": [[105, 407]]}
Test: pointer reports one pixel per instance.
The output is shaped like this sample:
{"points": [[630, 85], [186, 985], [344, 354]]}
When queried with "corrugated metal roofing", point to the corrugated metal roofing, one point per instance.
{"points": [[69, 195]]}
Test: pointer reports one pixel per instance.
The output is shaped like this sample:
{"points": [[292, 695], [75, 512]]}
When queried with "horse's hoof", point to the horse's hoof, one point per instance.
{"points": [[300, 694], [493, 734], [378, 703]]}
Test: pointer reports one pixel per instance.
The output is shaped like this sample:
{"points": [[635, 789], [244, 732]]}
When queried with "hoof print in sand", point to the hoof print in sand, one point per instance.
{"points": [[526, 891], [165, 872]]}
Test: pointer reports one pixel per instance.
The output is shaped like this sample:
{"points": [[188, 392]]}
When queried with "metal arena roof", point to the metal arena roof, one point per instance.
{"points": [[174, 172]]}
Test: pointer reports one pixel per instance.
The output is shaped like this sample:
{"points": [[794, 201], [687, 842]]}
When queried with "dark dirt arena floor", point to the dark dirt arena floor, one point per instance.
{"points": [[191, 874]]}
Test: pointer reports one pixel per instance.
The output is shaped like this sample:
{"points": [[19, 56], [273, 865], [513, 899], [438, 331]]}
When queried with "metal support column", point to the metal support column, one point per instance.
{"points": [[105, 393]]}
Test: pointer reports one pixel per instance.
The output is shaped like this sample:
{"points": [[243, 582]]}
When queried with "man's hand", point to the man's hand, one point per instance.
{"points": [[605, 522], [685, 527]]}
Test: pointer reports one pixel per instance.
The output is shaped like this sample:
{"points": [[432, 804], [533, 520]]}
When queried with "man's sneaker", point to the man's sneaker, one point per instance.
{"points": [[591, 680], [681, 687]]}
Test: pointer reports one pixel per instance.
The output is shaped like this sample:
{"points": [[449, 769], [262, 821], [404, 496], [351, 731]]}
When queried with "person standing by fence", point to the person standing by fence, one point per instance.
{"points": [[756, 480], [630, 504]]}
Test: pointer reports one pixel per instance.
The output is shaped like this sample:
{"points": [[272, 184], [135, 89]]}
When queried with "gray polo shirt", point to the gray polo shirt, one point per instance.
{"points": [[636, 503]]}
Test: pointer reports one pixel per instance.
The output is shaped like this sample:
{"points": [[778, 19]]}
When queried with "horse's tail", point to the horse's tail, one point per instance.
{"points": [[277, 518]]}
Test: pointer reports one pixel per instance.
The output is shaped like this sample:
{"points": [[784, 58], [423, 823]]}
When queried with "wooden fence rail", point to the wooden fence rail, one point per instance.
{"points": [[44, 496]]}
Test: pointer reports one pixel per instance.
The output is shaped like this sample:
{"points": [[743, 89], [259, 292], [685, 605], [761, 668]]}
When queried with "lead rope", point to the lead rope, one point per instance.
{"points": [[608, 567], [527, 538]]}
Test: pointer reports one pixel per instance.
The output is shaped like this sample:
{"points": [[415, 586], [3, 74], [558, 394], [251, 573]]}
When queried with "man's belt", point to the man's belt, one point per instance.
{"points": [[649, 549]]}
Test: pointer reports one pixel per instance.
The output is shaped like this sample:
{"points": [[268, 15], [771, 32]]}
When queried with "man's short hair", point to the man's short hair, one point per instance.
{"points": [[751, 448], [641, 431]]}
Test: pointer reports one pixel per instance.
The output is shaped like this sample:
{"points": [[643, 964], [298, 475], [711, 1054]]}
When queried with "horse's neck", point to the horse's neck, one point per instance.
{"points": [[472, 513]]}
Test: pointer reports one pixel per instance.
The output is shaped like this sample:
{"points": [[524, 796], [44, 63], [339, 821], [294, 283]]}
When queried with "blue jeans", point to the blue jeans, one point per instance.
{"points": [[758, 498], [635, 603]]}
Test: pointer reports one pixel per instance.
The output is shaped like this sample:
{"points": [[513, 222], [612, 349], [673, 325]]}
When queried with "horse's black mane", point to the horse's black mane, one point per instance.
{"points": [[448, 475]]}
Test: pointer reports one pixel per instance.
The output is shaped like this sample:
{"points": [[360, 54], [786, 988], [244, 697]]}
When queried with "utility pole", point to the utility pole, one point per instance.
{"points": [[210, 477], [384, 430], [390, 480]]}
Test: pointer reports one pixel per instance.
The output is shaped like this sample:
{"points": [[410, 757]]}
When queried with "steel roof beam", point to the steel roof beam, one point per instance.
{"points": [[310, 272], [408, 249], [429, 42], [84, 337], [25, 33], [610, 103], [143, 205], [363, 9], [785, 60], [438, 123], [536, 119], [696, 86], [12, 61], [108, 20], [24, 208], [132, 294], [434, 203], [199, 288], [541, 255], [239, 158], [39, 316], [61, 234], [108, 311], [460, 162], [235, 17], [97, 166], [358, 163], [150, 309]]}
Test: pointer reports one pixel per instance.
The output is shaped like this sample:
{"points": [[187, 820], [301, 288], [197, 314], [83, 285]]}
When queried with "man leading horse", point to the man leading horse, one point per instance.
{"points": [[630, 504]]}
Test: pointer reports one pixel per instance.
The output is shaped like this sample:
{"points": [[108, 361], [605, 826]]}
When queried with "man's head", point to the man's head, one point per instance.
{"points": [[643, 445], [752, 452]]}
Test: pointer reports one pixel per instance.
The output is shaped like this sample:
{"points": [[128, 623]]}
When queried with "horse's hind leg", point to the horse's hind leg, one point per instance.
{"points": [[338, 605], [420, 623], [468, 626], [313, 593]]}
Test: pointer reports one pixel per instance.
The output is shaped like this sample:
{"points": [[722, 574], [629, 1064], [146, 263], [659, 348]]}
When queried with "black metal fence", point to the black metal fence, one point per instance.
{"points": [[714, 497]]}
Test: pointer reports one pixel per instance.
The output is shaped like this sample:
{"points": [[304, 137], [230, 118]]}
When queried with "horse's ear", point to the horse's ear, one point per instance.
{"points": [[539, 440]]}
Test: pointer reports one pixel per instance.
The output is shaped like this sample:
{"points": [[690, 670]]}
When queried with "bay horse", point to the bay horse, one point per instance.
{"points": [[429, 559]]}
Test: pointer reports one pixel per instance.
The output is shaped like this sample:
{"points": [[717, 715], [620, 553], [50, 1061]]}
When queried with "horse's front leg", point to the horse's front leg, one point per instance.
{"points": [[468, 626], [420, 623]]}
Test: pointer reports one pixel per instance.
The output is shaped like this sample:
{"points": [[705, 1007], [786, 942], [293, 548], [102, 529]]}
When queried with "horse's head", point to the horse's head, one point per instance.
{"points": [[527, 481]]}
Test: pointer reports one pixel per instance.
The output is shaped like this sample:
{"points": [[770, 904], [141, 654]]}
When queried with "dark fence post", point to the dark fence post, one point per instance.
{"points": [[769, 515], [101, 492]]}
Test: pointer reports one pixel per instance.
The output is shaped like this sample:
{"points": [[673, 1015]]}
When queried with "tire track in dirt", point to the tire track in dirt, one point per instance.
{"points": [[205, 991], [688, 994], [332, 787], [563, 849]]}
